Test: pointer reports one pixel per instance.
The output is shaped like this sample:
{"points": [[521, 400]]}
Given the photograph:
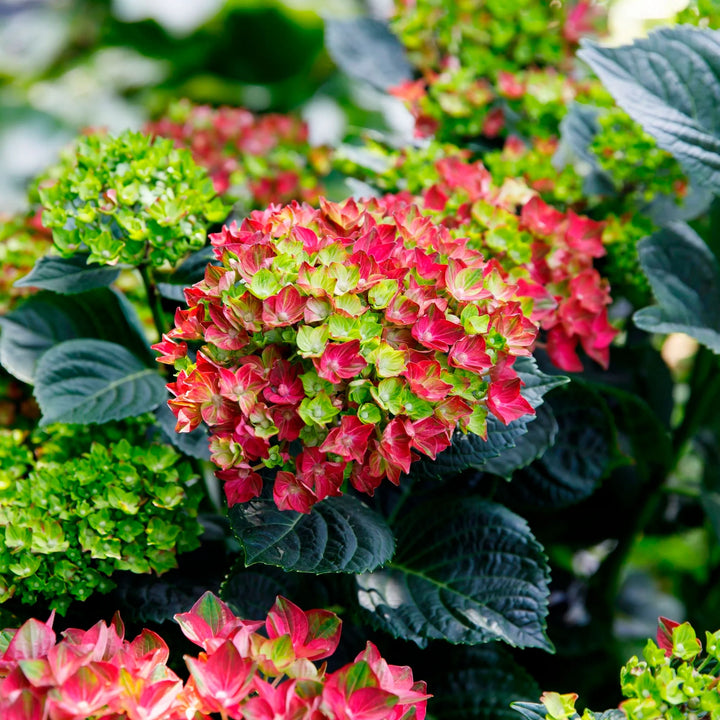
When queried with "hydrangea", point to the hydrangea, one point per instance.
{"points": [[364, 330], [261, 159], [248, 670], [549, 252], [491, 35], [488, 67], [68, 522], [128, 199], [533, 163], [633, 161]]}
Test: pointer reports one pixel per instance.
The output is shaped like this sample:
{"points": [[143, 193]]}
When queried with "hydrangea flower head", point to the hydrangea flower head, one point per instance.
{"points": [[364, 330]]}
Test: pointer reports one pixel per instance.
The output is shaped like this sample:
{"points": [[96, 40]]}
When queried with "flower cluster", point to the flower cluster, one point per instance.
{"points": [[533, 164], [633, 161], [68, 522], [248, 670], [366, 331], [23, 240], [551, 252], [486, 64], [454, 103], [261, 159], [676, 679], [491, 35], [128, 199]]}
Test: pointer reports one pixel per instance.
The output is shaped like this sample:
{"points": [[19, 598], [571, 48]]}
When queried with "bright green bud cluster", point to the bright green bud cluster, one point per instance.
{"points": [[486, 35], [678, 683], [67, 525], [633, 160], [622, 264], [129, 199], [677, 679]]}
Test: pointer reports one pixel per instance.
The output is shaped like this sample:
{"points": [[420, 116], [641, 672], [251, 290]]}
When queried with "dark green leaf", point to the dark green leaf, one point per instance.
{"points": [[530, 710], [685, 280], [150, 599], [68, 276], [188, 273], [466, 575], [668, 82], [472, 452], [537, 383], [539, 437], [582, 454], [194, 444], [47, 319], [251, 592], [94, 381], [341, 534], [483, 688], [365, 49]]}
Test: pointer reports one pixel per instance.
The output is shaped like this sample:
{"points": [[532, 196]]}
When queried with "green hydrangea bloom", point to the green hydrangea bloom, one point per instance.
{"points": [[129, 199], [68, 523]]}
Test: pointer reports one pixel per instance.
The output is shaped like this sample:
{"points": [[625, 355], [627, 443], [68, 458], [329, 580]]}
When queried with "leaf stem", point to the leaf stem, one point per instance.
{"points": [[154, 301]]}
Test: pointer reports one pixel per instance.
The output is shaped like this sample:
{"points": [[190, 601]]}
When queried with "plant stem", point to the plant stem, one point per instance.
{"points": [[154, 301]]}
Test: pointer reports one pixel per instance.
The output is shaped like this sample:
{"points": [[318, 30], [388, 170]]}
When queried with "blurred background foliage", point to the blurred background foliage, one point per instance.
{"points": [[66, 65]]}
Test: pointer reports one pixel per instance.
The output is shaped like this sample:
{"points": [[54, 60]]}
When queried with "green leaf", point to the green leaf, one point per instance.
{"points": [[188, 273], [540, 435], [685, 279], [582, 454], [251, 592], [530, 710], [668, 82], [483, 688], [68, 276], [577, 130], [194, 444], [469, 576], [366, 49], [47, 319], [94, 381], [341, 534]]}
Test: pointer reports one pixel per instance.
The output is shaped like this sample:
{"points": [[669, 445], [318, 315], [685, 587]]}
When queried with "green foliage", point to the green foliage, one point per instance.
{"points": [[444, 581], [667, 83], [341, 534], [632, 159], [685, 279], [676, 678], [365, 48], [481, 683], [129, 199], [68, 275], [94, 381], [46, 319], [70, 520]]}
